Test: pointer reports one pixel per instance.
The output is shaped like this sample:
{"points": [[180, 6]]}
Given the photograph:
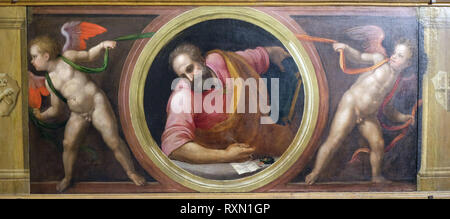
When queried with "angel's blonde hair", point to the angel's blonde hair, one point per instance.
{"points": [[408, 43], [46, 45]]}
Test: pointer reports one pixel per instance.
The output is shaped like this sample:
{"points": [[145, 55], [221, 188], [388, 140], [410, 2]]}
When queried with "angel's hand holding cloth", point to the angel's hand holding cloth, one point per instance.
{"points": [[109, 44], [339, 46], [37, 113]]}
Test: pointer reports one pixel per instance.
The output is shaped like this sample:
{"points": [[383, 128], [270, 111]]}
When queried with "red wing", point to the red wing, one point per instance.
{"points": [[36, 89], [77, 32], [371, 35]]}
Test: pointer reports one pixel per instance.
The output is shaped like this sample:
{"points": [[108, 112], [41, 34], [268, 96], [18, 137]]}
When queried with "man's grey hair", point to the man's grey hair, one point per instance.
{"points": [[189, 49]]}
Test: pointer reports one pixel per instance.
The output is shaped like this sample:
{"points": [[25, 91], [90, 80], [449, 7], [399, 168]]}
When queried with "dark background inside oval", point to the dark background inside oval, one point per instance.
{"points": [[224, 34]]}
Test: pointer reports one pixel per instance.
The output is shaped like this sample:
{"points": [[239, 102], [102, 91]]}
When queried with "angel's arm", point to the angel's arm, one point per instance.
{"points": [[394, 115], [358, 57], [55, 110], [90, 55]]}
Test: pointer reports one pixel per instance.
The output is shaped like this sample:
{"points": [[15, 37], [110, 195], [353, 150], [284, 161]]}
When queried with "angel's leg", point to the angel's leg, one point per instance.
{"points": [[343, 123], [371, 130], [73, 135], [104, 121]]}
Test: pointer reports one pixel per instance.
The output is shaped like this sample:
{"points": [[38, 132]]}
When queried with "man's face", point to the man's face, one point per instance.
{"points": [[194, 71], [38, 59], [400, 59]]}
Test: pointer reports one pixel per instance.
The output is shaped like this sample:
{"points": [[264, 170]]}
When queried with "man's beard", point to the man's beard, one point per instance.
{"points": [[199, 79]]}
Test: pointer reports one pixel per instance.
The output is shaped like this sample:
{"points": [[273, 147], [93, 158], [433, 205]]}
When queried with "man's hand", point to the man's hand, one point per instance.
{"points": [[239, 152], [277, 55], [339, 46], [109, 44]]}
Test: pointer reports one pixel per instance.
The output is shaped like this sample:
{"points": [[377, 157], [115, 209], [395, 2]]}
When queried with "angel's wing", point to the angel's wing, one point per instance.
{"points": [[77, 32], [371, 35], [36, 89]]}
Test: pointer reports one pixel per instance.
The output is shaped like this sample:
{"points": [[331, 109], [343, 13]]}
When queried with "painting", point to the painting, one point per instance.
{"points": [[215, 138], [224, 99]]}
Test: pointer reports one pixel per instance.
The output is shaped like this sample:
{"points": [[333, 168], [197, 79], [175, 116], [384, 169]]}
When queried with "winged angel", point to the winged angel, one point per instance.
{"points": [[361, 102], [87, 103]]}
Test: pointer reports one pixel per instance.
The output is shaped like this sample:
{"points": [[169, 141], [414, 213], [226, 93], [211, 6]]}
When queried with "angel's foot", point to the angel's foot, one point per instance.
{"points": [[63, 185], [380, 179], [311, 178], [137, 179]]}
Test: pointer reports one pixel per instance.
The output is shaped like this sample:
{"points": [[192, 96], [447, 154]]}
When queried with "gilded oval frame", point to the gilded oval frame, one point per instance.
{"points": [[164, 35]]}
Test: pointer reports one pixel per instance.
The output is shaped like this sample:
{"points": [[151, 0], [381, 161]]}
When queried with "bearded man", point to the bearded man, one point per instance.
{"points": [[213, 136]]}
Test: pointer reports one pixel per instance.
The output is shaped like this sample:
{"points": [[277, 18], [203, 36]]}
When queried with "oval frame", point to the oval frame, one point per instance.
{"points": [[167, 33]]}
